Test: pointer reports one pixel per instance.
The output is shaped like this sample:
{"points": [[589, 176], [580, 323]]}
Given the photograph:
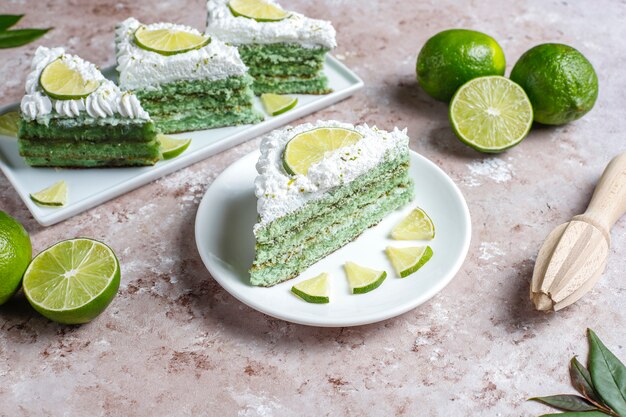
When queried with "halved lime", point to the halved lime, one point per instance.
{"points": [[314, 290], [408, 260], [170, 147], [169, 41], [363, 279], [310, 147], [416, 226], [276, 104], [73, 281], [55, 195], [8, 123], [259, 10], [64, 83], [491, 114]]}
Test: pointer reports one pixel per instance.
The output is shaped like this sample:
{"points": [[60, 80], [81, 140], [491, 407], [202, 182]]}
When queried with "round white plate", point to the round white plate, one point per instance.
{"points": [[225, 241]]}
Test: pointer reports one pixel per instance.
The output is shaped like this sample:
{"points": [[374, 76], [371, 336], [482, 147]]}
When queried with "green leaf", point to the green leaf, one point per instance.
{"points": [[608, 374], [19, 37], [578, 414], [566, 402], [581, 380], [8, 20]]}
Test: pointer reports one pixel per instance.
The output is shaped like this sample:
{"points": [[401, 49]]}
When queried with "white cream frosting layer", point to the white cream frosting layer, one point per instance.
{"points": [[106, 101], [297, 28], [139, 68], [279, 193]]}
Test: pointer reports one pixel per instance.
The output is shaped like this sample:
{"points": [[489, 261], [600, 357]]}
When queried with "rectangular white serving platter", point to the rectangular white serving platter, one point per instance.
{"points": [[91, 187]]}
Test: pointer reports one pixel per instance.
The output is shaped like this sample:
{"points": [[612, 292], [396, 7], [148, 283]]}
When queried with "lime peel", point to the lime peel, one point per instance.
{"points": [[55, 195], [61, 82], [258, 10], [417, 225], [169, 41], [362, 279], [314, 290], [276, 104], [171, 147], [407, 261]]}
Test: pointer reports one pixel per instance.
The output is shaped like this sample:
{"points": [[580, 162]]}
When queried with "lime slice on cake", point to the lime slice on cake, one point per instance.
{"points": [[491, 114], [310, 147], [259, 10], [276, 104], [60, 81], [314, 290], [55, 195], [169, 41], [170, 147], [8, 123], [416, 226], [73, 281], [408, 260], [363, 279]]}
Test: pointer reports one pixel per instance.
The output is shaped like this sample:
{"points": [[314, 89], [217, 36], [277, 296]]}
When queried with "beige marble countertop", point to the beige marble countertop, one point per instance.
{"points": [[173, 343]]}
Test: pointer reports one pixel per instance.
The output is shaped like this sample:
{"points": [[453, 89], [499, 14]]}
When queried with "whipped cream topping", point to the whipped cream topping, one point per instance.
{"points": [[106, 101], [139, 68], [297, 28], [279, 193]]}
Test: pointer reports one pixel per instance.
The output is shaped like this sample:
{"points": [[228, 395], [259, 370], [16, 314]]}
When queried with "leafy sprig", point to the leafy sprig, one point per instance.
{"points": [[16, 37], [602, 386]]}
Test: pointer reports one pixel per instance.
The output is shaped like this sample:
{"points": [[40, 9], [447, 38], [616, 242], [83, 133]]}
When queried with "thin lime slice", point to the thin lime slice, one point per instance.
{"points": [[363, 279], [491, 114], [314, 290], [408, 260], [73, 281], [55, 195], [310, 147], [9, 123], [276, 104], [169, 41], [258, 10], [170, 147], [416, 226], [64, 83]]}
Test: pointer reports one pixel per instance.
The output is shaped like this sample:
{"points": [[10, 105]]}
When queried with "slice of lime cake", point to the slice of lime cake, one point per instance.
{"points": [[184, 79], [284, 50], [71, 116], [320, 185]]}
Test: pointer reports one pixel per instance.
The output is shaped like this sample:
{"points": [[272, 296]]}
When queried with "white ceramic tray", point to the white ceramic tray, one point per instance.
{"points": [[90, 187]]}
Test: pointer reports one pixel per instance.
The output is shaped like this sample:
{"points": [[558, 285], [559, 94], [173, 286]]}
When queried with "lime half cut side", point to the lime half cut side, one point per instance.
{"points": [[491, 114], [416, 226], [170, 147], [61, 82], [363, 279], [73, 281], [55, 195], [276, 104], [9, 123], [406, 261], [314, 290], [310, 147], [259, 10], [169, 41]]}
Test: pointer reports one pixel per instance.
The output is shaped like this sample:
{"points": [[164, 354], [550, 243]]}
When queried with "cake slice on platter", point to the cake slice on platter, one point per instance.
{"points": [[71, 116], [284, 50], [184, 79], [319, 186]]}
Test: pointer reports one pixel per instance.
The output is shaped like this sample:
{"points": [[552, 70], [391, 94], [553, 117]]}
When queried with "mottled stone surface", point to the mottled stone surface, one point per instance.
{"points": [[174, 343]]}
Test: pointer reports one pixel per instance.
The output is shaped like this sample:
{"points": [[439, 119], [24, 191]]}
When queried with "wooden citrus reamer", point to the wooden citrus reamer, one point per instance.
{"points": [[574, 254]]}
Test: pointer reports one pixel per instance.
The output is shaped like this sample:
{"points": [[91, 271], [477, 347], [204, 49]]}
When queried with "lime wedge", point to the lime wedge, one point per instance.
{"points": [[170, 147], [310, 147], [363, 279], [64, 83], [408, 260], [8, 123], [55, 195], [314, 290], [73, 281], [258, 10], [491, 114], [276, 104], [416, 226], [169, 41]]}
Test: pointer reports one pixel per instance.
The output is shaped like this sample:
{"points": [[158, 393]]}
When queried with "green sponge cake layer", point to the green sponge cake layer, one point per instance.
{"points": [[199, 120], [292, 85], [87, 163], [83, 128]]}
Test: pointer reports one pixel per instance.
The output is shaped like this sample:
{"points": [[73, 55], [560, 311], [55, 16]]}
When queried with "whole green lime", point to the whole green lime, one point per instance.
{"points": [[560, 82], [453, 57], [15, 254]]}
